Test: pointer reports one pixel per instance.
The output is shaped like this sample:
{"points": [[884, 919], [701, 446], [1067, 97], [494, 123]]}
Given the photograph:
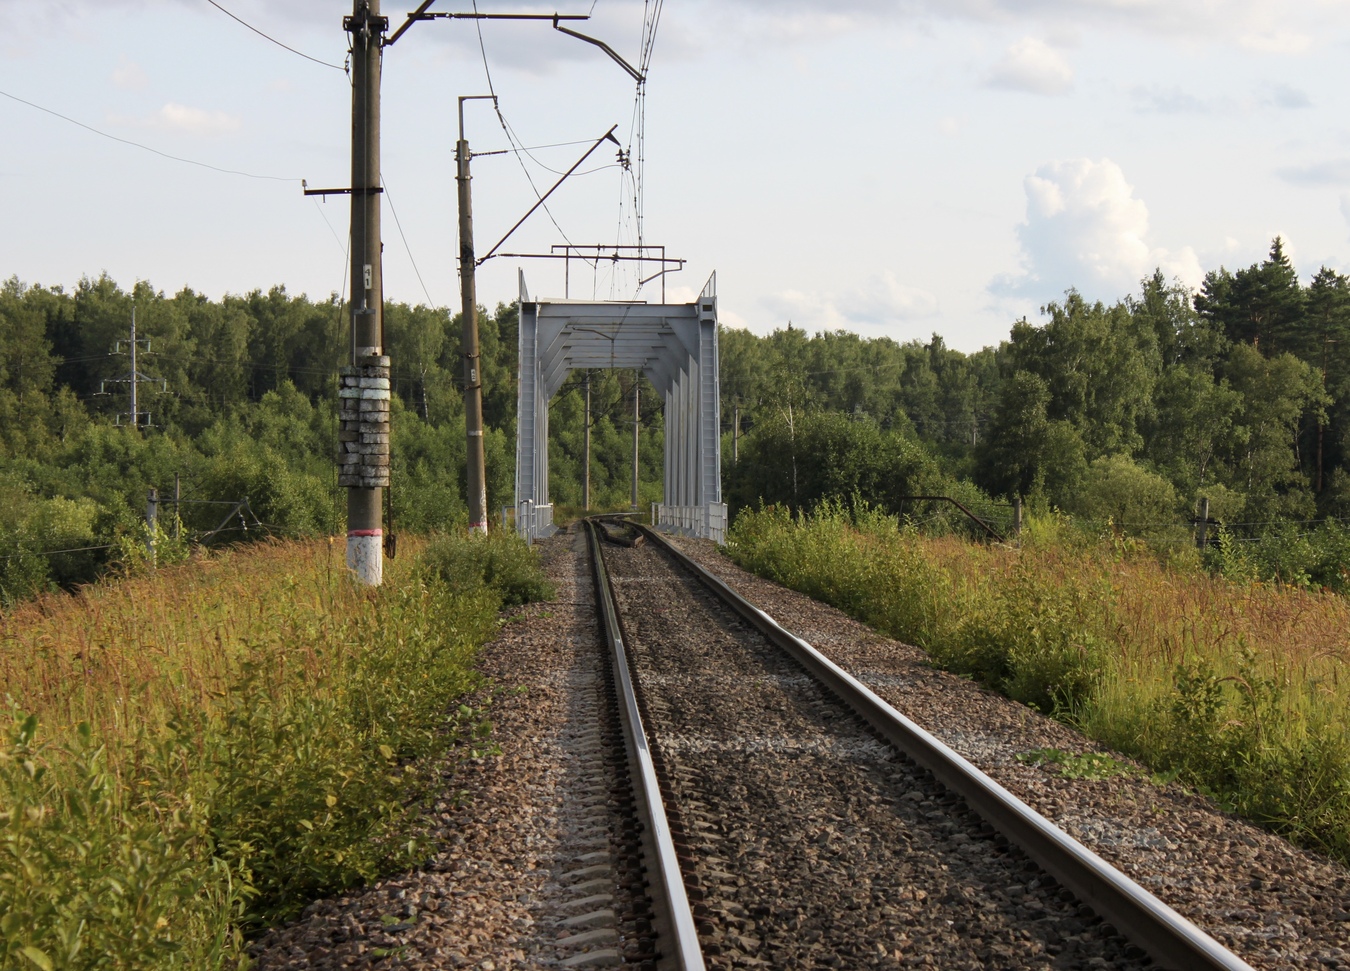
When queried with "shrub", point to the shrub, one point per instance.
{"points": [[500, 562]]}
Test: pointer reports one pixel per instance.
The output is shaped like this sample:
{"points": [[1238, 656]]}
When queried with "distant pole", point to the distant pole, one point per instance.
{"points": [[151, 521], [1202, 525], [1017, 517], [135, 409], [735, 433], [177, 510], [637, 377], [365, 464], [476, 497], [586, 462]]}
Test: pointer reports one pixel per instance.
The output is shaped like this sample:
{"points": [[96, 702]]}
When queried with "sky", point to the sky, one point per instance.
{"points": [[895, 169]]}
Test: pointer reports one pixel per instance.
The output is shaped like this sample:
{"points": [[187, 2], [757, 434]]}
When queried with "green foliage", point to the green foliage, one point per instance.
{"points": [[1115, 489], [499, 562], [1084, 765], [321, 786], [96, 873], [269, 756], [800, 459]]}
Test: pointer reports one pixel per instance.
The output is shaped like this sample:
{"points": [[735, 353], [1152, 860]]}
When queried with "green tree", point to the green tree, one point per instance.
{"points": [[1262, 305]]}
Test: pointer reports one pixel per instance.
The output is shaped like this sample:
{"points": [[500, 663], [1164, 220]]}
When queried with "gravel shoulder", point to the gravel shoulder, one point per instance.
{"points": [[1275, 905]]}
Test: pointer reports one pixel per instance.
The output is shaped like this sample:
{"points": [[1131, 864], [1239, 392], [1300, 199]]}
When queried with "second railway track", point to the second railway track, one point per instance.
{"points": [[806, 838]]}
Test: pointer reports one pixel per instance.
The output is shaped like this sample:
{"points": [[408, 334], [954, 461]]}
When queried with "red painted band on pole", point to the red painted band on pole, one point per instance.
{"points": [[364, 532]]}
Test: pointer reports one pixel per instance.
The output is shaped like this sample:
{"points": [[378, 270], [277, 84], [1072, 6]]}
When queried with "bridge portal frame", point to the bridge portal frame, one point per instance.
{"points": [[675, 347]]}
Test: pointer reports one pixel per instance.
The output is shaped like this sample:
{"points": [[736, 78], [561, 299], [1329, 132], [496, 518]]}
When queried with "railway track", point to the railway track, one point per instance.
{"points": [[790, 818]]}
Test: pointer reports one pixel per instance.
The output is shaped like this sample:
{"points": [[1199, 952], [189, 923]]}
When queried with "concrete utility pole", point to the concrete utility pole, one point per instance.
{"points": [[735, 433], [134, 377], [476, 497], [151, 523], [586, 462], [364, 430], [637, 420]]}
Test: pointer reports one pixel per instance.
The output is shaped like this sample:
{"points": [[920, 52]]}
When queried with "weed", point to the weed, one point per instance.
{"points": [[1230, 685], [192, 754], [1086, 765], [499, 561]]}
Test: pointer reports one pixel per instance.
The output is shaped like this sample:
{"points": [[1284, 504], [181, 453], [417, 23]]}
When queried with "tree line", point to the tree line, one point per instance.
{"points": [[1128, 413]]}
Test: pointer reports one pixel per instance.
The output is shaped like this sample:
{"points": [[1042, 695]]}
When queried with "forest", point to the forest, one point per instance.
{"points": [[1121, 416]]}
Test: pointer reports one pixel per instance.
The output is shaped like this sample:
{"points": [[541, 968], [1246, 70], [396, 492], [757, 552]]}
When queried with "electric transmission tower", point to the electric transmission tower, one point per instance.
{"points": [[133, 378]]}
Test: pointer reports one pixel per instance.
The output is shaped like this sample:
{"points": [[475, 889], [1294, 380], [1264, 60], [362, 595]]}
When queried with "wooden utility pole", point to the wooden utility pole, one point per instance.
{"points": [[365, 393], [476, 497], [1202, 526]]}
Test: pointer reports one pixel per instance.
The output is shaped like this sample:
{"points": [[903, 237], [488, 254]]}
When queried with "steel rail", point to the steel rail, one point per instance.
{"points": [[668, 892], [1169, 939]]}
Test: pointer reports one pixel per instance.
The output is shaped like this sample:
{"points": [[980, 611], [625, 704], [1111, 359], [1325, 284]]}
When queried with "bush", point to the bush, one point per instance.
{"points": [[1131, 497], [500, 562]]}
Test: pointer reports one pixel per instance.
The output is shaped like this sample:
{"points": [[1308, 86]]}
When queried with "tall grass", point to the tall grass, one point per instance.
{"points": [[1240, 689], [198, 752]]}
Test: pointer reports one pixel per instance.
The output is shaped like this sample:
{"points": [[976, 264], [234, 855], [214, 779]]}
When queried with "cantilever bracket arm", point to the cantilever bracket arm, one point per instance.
{"points": [[421, 13], [609, 135], [637, 75]]}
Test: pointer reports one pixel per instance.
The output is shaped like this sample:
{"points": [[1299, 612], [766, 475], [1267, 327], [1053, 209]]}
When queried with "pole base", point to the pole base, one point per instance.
{"points": [[365, 555]]}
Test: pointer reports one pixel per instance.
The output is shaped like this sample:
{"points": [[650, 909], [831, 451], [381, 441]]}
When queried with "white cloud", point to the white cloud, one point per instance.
{"points": [[880, 300], [1254, 24], [1287, 96], [128, 75], [1169, 101], [1334, 171], [1034, 66], [1085, 229], [186, 119], [1276, 42], [950, 126], [196, 121]]}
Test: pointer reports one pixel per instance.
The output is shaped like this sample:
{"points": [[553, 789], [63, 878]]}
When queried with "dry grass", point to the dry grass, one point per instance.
{"points": [[200, 750], [130, 655]]}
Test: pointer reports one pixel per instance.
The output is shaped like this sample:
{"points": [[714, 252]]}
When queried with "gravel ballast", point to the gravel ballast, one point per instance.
{"points": [[1273, 904]]}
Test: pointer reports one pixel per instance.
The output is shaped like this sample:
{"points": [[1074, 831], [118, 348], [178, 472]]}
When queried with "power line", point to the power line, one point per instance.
{"points": [[146, 148], [534, 148], [337, 67], [336, 238], [390, 199], [76, 549]]}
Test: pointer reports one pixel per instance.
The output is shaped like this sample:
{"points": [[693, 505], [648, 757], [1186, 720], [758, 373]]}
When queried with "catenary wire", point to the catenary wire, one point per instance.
{"points": [[147, 148], [510, 134], [336, 67]]}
